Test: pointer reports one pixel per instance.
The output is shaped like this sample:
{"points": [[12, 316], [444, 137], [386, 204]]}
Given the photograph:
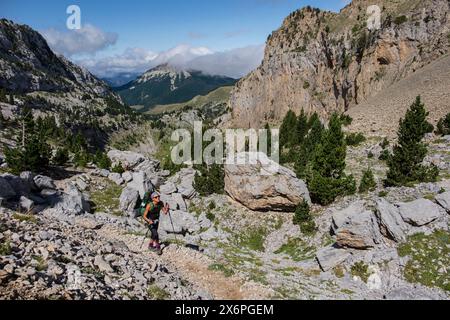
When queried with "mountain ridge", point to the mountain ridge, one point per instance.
{"points": [[166, 84], [323, 62]]}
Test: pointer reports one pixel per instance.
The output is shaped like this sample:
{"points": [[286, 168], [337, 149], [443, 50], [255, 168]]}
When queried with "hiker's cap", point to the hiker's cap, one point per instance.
{"points": [[155, 194]]}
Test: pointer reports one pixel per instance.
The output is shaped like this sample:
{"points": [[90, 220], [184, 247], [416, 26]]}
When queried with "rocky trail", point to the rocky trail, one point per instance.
{"points": [[193, 267]]}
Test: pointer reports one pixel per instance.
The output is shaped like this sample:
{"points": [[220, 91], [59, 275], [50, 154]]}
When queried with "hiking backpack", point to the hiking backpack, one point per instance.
{"points": [[145, 201]]}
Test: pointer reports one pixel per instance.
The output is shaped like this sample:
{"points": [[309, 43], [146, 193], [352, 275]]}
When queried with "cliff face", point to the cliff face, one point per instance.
{"points": [[324, 62], [27, 64]]}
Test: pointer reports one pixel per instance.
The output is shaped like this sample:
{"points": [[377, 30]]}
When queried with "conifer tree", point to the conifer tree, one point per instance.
{"points": [[301, 128], [327, 179], [368, 182], [405, 164], [287, 129], [443, 126]]}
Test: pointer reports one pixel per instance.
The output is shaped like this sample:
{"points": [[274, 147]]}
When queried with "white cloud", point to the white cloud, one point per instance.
{"points": [[88, 40], [132, 60], [233, 63]]}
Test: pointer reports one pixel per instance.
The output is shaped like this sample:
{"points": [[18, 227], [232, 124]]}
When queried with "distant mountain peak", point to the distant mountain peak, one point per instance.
{"points": [[168, 84], [164, 71]]}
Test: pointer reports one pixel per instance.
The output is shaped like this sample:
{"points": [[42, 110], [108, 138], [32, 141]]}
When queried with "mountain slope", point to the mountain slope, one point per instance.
{"points": [[324, 62], [380, 114], [28, 64], [218, 96], [168, 85], [53, 86]]}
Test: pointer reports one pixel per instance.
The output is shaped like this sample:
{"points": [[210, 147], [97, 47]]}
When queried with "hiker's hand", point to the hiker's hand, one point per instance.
{"points": [[150, 222], [166, 208]]}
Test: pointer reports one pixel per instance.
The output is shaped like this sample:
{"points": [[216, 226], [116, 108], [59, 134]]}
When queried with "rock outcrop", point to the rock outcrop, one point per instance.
{"points": [[261, 184], [324, 62]]}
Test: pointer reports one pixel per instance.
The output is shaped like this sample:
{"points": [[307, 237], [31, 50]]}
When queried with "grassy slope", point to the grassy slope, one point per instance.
{"points": [[219, 95]]}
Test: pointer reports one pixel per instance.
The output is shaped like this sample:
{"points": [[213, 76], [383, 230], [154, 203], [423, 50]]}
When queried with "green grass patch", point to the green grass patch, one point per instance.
{"points": [[156, 293], [5, 248], [107, 200], [430, 259], [41, 263], [221, 268], [297, 249], [258, 275], [25, 217], [360, 269], [253, 239]]}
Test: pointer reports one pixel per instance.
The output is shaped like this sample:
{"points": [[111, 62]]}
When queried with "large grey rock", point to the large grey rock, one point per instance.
{"points": [[6, 191], [141, 183], [419, 212], [72, 202], [340, 217], [127, 176], [179, 202], [43, 182], [261, 184], [390, 221], [330, 257], [168, 188], [184, 182], [128, 159], [183, 222], [28, 178], [149, 166], [116, 178], [128, 199], [20, 186], [26, 204], [444, 200], [359, 231]]}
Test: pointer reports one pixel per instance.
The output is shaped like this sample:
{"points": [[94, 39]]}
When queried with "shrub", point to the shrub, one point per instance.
{"points": [[400, 20], [368, 182], [101, 160], [405, 165], [61, 157], [443, 126], [210, 180], [384, 156], [118, 168], [34, 156], [355, 139], [384, 144], [346, 120], [360, 269]]}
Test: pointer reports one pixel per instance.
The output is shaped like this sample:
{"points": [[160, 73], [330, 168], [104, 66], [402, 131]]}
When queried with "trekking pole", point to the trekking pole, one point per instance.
{"points": [[145, 237], [173, 228]]}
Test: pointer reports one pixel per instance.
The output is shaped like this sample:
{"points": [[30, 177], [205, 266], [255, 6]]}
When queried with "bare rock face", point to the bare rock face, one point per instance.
{"points": [[325, 62], [358, 230], [263, 185], [419, 212], [390, 220]]}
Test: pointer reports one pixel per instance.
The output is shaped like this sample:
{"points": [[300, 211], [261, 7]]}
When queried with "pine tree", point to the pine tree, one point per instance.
{"points": [[303, 218], [302, 128], [327, 179], [309, 145], [34, 156], [101, 160], [443, 126], [11, 99], [405, 165], [368, 182], [287, 129]]}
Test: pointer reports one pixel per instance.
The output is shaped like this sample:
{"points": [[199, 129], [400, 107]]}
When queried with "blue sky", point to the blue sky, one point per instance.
{"points": [[157, 26]]}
